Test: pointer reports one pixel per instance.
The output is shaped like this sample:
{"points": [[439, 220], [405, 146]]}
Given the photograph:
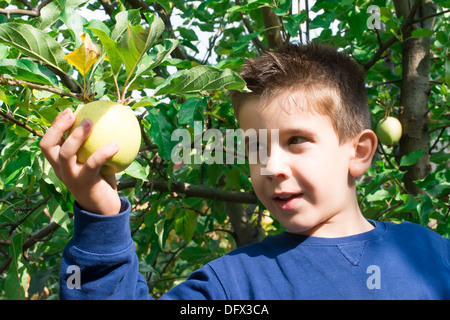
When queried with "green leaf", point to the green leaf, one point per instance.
{"points": [[58, 214], [12, 148], [137, 41], [75, 22], [123, 18], [161, 132], [200, 254], [187, 109], [109, 39], [16, 281], [48, 16], [155, 58], [33, 43], [50, 13], [187, 34], [411, 158], [201, 78], [379, 195], [321, 21], [439, 157], [136, 170], [162, 229], [425, 207], [442, 37], [14, 169], [24, 69], [110, 47], [422, 32], [357, 20], [185, 225]]}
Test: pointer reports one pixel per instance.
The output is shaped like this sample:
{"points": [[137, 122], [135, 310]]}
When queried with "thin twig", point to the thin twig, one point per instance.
{"points": [[17, 223], [62, 93], [190, 190], [431, 16], [393, 39], [32, 239], [34, 12], [20, 124]]}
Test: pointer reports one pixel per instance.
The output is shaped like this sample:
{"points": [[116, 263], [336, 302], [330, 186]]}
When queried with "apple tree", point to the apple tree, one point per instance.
{"points": [[172, 63]]}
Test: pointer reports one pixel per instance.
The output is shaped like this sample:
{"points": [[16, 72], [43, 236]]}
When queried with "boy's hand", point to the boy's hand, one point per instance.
{"points": [[93, 192]]}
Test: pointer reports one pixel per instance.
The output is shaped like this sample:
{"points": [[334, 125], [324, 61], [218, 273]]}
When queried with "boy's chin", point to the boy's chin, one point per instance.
{"points": [[302, 223], [301, 227]]}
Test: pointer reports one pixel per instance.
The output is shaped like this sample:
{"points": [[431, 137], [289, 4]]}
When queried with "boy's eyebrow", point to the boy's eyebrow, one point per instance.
{"points": [[297, 131]]}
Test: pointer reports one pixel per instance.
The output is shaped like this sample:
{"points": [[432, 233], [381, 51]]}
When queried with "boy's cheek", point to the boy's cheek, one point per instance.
{"points": [[255, 174]]}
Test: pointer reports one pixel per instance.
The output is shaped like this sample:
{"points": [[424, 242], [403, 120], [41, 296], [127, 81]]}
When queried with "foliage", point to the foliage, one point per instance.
{"points": [[138, 55]]}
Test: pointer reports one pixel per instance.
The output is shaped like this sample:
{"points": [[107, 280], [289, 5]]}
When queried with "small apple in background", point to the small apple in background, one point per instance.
{"points": [[111, 122], [389, 131]]}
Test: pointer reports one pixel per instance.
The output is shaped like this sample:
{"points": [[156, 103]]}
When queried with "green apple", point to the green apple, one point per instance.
{"points": [[389, 131], [111, 122]]}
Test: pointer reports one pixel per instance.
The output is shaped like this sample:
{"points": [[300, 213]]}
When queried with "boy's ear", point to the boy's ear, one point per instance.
{"points": [[364, 145]]}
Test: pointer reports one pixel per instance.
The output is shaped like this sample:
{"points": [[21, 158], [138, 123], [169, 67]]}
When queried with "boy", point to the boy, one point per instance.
{"points": [[313, 101]]}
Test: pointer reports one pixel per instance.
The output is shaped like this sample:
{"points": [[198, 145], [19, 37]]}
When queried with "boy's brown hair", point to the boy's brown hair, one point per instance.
{"points": [[330, 82]]}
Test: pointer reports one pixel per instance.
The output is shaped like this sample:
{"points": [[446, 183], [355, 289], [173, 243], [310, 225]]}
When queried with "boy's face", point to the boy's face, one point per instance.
{"points": [[305, 182]]}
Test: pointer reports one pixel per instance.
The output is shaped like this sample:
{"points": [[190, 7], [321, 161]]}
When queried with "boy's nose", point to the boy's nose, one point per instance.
{"points": [[276, 166]]}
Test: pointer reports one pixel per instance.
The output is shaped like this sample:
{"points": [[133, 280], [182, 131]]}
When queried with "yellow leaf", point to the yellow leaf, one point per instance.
{"points": [[85, 56]]}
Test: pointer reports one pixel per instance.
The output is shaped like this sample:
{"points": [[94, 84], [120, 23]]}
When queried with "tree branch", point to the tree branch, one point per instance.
{"points": [[23, 12], [408, 22], [272, 27], [15, 82], [20, 124], [108, 6], [27, 4], [17, 223], [244, 230], [66, 80], [190, 190], [34, 12], [308, 21], [32, 239], [431, 16], [258, 43], [381, 49]]}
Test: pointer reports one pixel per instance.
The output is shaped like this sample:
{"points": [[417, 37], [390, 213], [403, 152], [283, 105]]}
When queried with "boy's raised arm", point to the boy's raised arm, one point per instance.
{"points": [[99, 262], [93, 192]]}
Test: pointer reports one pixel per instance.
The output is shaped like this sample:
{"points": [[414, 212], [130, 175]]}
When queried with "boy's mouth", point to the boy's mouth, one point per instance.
{"points": [[287, 201]]}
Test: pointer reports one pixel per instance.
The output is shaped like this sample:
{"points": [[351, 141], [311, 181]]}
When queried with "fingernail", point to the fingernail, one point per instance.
{"points": [[114, 145], [66, 112], [85, 123]]}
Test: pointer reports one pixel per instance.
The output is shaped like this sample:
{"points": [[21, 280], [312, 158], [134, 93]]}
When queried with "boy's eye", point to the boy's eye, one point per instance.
{"points": [[296, 140]]}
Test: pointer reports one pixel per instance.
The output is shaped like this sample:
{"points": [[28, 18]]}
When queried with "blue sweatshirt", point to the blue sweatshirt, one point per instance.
{"points": [[392, 261]]}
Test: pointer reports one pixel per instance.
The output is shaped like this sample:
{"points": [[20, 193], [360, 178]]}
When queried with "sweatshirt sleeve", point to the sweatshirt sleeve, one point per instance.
{"points": [[100, 262]]}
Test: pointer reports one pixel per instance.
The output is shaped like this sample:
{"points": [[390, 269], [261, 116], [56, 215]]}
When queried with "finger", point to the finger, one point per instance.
{"points": [[70, 147], [98, 158], [53, 138]]}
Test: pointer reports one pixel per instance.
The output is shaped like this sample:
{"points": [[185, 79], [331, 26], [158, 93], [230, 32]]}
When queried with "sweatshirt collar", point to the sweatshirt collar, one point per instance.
{"points": [[380, 229]]}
